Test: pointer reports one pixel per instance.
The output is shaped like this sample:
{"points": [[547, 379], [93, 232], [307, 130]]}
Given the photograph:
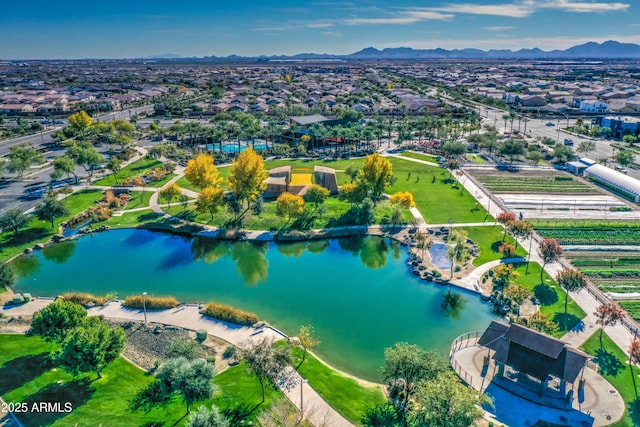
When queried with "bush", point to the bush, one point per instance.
{"points": [[229, 314], [84, 299], [230, 352], [151, 303]]}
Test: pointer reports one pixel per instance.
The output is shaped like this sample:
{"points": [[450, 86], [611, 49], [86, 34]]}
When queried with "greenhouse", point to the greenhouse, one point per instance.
{"points": [[614, 181]]}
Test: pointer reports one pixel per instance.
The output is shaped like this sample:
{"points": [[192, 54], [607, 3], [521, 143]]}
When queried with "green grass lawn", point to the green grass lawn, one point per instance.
{"points": [[438, 201], [476, 159], [345, 395], [489, 239], [420, 156], [184, 183], [159, 183], [137, 168], [41, 231], [27, 375], [614, 367], [139, 199], [269, 220], [132, 219], [551, 296]]}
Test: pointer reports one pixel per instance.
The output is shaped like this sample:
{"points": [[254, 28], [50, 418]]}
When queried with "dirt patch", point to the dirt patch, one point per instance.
{"points": [[14, 325]]}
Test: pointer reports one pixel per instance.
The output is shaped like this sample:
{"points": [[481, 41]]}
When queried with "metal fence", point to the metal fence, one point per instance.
{"points": [[469, 339]]}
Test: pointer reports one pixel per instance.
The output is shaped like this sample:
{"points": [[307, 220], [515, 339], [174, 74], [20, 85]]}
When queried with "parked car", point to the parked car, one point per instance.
{"points": [[549, 124], [568, 142]]}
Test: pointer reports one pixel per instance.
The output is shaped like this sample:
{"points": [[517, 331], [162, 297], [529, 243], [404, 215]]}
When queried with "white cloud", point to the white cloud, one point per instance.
{"points": [[332, 33], [583, 7], [407, 17], [499, 28], [319, 25], [520, 10]]}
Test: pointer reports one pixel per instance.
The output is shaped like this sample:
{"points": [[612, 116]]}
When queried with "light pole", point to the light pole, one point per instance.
{"points": [[144, 307], [302, 383]]}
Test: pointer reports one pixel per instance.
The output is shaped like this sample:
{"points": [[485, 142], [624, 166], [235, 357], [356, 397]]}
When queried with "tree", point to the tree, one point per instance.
{"points": [[55, 321], [608, 315], [246, 180], [535, 156], [459, 250], [289, 205], [571, 281], [352, 172], [282, 414], [512, 148], [563, 153], [629, 139], [375, 175], [202, 173], [210, 200], [307, 341], [170, 192], [504, 274], [517, 294], [80, 122], [207, 417], [21, 157], [51, 209], [550, 251], [267, 363], [444, 402], [316, 195], [623, 157], [405, 366], [114, 165], [91, 346], [507, 250], [86, 156], [403, 199], [520, 229], [7, 278], [193, 380], [352, 193], [13, 219], [585, 147], [505, 218], [65, 165], [381, 415], [453, 149], [542, 322]]}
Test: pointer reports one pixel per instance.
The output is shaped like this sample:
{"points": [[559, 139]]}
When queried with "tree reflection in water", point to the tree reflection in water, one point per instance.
{"points": [[59, 252], [209, 250], [372, 250], [251, 261]]}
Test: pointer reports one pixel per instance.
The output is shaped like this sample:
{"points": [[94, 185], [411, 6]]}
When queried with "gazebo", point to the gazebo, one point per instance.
{"points": [[535, 366]]}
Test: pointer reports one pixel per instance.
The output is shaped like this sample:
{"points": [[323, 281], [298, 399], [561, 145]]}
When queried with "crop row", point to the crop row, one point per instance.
{"points": [[621, 289], [610, 273], [592, 235], [585, 224], [606, 262], [632, 307]]}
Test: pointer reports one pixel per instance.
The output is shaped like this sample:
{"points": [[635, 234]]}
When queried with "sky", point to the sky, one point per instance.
{"points": [[139, 28]]}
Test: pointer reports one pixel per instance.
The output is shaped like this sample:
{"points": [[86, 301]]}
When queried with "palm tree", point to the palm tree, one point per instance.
{"points": [[505, 117]]}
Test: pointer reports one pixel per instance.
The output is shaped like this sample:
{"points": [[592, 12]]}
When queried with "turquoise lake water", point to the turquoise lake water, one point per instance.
{"points": [[358, 293]]}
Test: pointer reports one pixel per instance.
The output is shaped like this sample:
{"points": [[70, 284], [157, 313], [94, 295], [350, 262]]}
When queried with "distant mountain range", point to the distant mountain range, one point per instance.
{"points": [[591, 50]]}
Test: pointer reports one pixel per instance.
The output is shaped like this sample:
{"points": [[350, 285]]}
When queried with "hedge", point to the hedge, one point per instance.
{"points": [[229, 314], [151, 303], [84, 299]]}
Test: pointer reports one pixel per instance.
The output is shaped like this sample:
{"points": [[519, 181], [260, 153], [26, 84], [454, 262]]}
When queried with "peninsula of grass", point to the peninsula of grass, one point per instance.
{"points": [[137, 168], [489, 239], [348, 397], [40, 231], [442, 201], [133, 219], [614, 368], [420, 156], [28, 375], [139, 199], [551, 296]]}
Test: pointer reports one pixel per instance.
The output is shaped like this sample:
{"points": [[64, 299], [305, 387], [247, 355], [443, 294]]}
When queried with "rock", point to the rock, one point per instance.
{"points": [[39, 246], [259, 325], [201, 335], [28, 250]]}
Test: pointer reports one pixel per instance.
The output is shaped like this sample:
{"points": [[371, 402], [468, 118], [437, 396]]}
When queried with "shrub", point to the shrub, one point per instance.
{"points": [[229, 314], [84, 298], [563, 178], [151, 303], [230, 352]]}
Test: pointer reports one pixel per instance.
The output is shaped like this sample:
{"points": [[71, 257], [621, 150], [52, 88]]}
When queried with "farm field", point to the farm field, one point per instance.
{"points": [[532, 182], [590, 232]]}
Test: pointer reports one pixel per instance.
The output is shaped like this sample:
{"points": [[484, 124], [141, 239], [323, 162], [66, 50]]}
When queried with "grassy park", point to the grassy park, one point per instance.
{"points": [[489, 239], [29, 376], [137, 168]]}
